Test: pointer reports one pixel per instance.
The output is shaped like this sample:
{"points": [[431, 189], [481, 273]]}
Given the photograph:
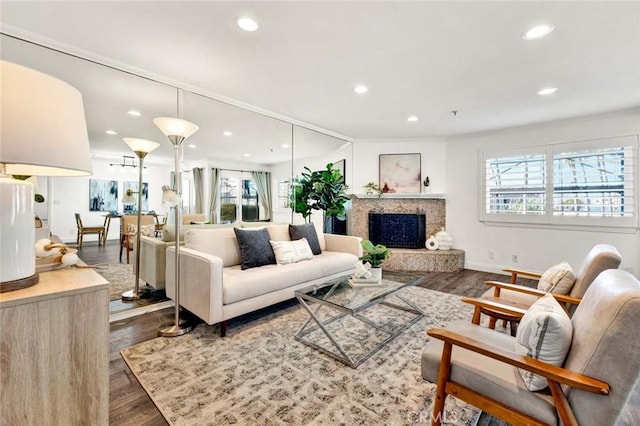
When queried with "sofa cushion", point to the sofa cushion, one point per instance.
{"points": [[219, 242], [291, 251], [308, 231], [245, 284], [169, 231], [557, 279], [279, 232], [544, 333], [255, 249]]}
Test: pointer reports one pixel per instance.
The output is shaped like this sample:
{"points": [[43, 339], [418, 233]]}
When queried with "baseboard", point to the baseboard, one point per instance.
{"points": [[130, 313], [485, 267]]}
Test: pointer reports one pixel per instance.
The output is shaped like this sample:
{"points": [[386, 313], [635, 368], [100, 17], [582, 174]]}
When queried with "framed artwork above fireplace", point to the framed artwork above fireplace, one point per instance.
{"points": [[400, 173]]}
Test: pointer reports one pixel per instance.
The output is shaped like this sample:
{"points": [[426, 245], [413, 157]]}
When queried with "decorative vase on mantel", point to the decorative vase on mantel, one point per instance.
{"points": [[445, 242]]}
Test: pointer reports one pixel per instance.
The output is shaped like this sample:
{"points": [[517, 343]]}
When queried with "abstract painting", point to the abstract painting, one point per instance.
{"points": [[103, 195], [133, 186], [400, 173]]}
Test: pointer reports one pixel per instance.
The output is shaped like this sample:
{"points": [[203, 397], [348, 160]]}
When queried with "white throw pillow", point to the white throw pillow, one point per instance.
{"points": [[557, 279], [291, 251], [147, 230], [544, 333]]}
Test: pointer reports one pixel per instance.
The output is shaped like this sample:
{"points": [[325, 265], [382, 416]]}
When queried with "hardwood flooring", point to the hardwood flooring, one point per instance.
{"points": [[129, 404]]}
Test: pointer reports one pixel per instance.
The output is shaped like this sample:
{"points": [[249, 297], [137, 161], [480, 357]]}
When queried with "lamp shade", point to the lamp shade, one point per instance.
{"points": [[141, 145], [43, 132], [175, 126]]}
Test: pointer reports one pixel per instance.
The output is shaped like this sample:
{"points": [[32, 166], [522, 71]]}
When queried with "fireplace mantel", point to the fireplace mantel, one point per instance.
{"points": [[393, 196]]}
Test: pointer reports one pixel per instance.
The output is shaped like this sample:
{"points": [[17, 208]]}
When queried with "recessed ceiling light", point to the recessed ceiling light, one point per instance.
{"points": [[247, 155], [192, 145], [538, 31], [111, 132], [247, 24], [547, 91], [134, 113], [285, 145], [360, 89], [412, 118], [227, 133]]}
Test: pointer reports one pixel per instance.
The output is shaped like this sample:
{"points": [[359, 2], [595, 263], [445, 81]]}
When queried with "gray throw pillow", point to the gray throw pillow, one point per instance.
{"points": [[255, 248], [308, 231]]}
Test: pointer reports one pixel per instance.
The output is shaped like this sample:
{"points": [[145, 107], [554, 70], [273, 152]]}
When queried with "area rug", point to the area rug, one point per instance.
{"points": [[121, 277], [259, 374]]}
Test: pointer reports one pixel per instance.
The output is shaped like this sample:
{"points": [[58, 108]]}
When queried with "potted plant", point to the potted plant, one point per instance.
{"points": [[319, 190], [374, 255]]}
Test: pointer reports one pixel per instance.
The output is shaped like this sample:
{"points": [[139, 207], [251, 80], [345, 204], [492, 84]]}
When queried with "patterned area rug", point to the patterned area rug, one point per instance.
{"points": [[121, 277], [259, 374]]}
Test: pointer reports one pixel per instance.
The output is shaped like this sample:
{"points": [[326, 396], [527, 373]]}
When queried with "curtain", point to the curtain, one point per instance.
{"points": [[263, 187], [198, 187], [171, 214], [213, 196]]}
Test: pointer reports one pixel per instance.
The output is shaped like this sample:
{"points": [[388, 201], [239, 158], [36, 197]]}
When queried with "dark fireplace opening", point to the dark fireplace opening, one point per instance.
{"points": [[398, 230]]}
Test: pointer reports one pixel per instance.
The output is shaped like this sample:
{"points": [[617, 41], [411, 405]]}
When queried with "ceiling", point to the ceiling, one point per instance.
{"points": [[417, 58]]}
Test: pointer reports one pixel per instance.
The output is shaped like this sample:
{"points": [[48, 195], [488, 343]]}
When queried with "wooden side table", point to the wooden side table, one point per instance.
{"points": [[54, 339]]}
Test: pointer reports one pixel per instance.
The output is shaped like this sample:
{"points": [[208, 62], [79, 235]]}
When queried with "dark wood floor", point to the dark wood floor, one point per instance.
{"points": [[130, 405]]}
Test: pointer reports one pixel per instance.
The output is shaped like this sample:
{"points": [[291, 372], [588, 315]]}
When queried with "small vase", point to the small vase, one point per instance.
{"points": [[376, 273]]}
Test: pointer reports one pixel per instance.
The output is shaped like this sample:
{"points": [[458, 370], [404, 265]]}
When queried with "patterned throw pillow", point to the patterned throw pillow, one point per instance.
{"points": [[255, 249], [557, 279], [147, 230], [291, 251], [308, 231], [544, 333]]}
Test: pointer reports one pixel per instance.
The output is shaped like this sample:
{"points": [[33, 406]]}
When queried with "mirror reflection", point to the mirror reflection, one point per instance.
{"points": [[239, 166]]}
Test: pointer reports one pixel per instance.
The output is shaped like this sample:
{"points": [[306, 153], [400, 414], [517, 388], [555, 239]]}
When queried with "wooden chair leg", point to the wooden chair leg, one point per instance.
{"points": [[492, 323], [223, 328], [81, 238], [127, 248], [443, 377]]}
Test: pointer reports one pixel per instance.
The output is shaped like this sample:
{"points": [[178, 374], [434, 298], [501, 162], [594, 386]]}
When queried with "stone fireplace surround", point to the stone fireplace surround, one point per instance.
{"points": [[407, 259]]}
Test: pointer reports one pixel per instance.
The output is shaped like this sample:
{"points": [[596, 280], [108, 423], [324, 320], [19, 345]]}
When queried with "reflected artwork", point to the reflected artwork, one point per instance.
{"points": [[103, 195]]}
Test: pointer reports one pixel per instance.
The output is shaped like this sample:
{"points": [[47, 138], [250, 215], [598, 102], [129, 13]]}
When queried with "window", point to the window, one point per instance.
{"points": [[238, 198], [582, 183]]}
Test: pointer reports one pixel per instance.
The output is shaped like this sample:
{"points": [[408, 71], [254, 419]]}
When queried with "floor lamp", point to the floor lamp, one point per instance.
{"points": [[177, 131], [141, 147]]}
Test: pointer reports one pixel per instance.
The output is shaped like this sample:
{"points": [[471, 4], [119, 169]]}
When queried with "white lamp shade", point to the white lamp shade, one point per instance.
{"points": [[175, 126], [43, 130], [141, 145]]}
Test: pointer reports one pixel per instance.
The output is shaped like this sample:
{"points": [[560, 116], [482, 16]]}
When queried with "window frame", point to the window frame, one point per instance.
{"points": [[549, 218]]}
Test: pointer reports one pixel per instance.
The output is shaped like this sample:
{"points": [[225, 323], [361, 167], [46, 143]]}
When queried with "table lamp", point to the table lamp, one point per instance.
{"points": [[43, 133], [141, 147]]}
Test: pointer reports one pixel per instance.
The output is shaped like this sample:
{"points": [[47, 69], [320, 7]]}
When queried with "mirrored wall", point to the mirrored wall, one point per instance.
{"points": [[238, 166]]}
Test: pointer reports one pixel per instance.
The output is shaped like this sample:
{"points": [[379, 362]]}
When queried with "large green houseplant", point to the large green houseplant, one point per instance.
{"points": [[319, 190]]}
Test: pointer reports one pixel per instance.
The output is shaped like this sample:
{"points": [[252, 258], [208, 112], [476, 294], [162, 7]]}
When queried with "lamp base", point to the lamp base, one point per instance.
{"points": [[131, 295], [175, 330], [19, 284]]}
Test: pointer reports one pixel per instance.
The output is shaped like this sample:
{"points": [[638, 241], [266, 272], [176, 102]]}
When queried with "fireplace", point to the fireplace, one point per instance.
{"points": [[398, 230]]}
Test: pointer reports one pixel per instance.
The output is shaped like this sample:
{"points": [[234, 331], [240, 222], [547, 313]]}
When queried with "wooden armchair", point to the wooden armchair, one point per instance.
{"points": [[479, 366], [600, 258], [128, 236]]}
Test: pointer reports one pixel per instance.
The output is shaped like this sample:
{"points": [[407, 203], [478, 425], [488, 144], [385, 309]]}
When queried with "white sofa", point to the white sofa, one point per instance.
{"points": [[215, 288]]}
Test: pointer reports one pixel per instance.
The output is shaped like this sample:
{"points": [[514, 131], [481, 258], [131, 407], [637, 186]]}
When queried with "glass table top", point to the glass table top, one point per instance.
{"points": [[340, 294]]}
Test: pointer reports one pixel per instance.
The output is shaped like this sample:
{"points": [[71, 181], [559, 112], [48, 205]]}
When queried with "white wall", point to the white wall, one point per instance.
{"points": [[366, 154], [70, 195], [537, 248]]}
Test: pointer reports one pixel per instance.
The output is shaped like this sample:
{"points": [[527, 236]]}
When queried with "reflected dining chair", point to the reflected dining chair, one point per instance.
{"points": [[82, 230], [130, 231]]}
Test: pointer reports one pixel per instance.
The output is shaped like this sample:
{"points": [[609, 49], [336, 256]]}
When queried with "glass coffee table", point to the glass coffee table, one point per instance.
{"points": [[342, 323]]}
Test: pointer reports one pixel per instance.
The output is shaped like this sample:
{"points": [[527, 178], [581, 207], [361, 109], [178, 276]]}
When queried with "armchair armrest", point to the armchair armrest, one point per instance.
{"points": [[515, 272], [532, 291], [495, 304], [551, 372]]}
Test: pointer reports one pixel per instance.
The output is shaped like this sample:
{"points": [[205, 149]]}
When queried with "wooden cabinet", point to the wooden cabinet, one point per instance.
{"points": [[54, 351]]}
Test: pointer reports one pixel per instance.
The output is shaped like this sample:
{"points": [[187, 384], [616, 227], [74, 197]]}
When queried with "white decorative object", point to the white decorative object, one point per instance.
{"points": [[376, 273], [432, 243], [445, 242], [362, 270]]}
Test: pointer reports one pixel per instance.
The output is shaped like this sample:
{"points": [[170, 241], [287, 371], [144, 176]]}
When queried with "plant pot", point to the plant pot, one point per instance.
{"points": [[376, 273]]}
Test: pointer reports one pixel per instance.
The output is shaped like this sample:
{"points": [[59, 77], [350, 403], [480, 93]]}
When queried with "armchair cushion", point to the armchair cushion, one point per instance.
{"points": [[544, 333], [146, 230], [557, 279]]}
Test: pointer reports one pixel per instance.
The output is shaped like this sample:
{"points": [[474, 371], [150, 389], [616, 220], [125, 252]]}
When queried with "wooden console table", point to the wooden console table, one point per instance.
{"points": [[54, 350]]}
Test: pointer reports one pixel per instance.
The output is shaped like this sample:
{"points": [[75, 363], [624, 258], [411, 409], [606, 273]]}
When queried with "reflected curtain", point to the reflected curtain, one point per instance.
{"points": [[213, 196], [198, 188], [263, 187], [171, 214]]}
